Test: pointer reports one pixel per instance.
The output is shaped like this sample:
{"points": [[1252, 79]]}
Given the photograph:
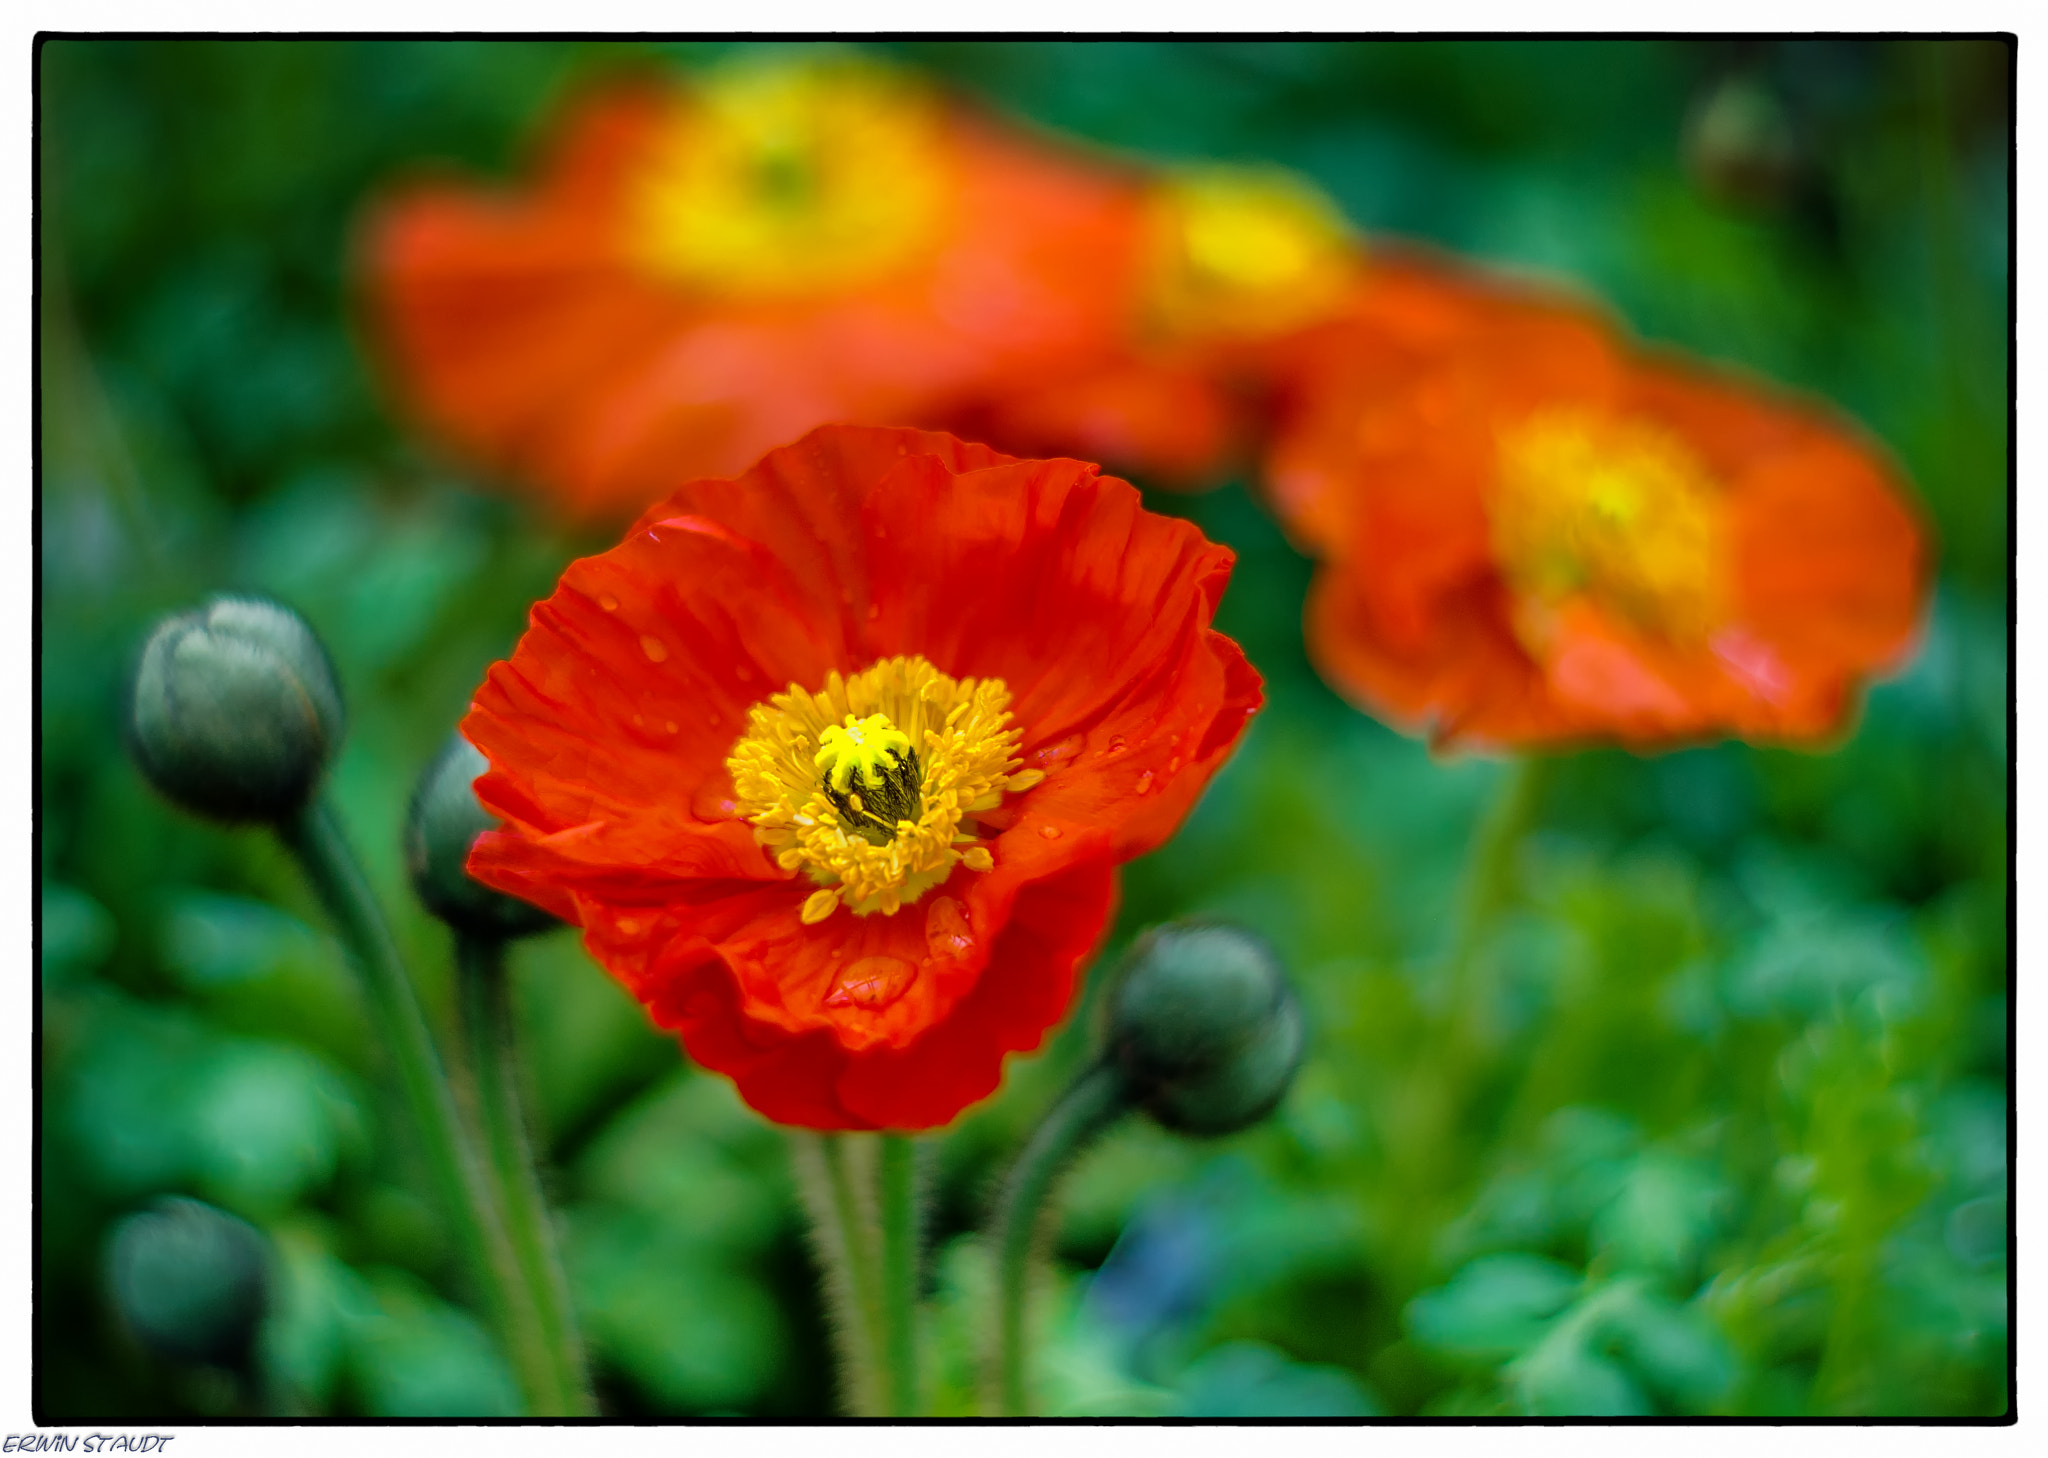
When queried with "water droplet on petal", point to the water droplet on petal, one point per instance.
{"points": [[874, 611], [653, 647], [872, 982], [1115, 747], [606, 601], [1145, 783], [1050, 832], [946, 929], [1052, 756], [1173, 740], [670, 725], [713, 802], [1173, 765], [628, 926]]}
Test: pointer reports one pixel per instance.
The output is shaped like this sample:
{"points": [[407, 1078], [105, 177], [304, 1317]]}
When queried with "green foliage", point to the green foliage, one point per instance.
{"points": [[1724, 1132]]}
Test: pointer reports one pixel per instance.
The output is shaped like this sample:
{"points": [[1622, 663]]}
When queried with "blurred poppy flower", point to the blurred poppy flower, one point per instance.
{"points": [[703, 271], [1222, 268], [1538, 534], [833, 762]]}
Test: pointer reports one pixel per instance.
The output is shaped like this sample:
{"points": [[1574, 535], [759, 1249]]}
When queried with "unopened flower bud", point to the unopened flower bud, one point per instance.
{"points": [[1205, 1028], [190, 1281], [445, 821], [1741, 145], [235, 710]]}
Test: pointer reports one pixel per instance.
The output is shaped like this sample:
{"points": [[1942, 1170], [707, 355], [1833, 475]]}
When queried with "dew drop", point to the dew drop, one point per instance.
{"points": [[1050, 832], [946, 929], [1173, 765], [1145, 783], [1052, 756], [874, 611], [653, 647], [712, 802], [1115, 747], [627, 926], [606, 601], [1173, 741], [871, 983], [669, 725]]}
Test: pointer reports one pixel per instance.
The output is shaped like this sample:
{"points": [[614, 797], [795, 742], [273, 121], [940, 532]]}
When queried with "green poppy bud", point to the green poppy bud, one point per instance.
{"points": [[191, 1282], [1741, 144], [1205, 1028], [235, 710], [445, 821]]}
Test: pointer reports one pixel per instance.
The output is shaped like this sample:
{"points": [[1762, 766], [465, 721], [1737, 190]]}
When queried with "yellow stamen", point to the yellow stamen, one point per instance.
{"points": [[788, 177], [1617, 509], [869, 785], [1245, 251]]}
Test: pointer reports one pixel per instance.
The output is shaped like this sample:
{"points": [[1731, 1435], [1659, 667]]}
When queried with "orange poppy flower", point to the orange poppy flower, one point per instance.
{"points": [[833, 762], [1537, 534], [1221, 269], [702, 272]]}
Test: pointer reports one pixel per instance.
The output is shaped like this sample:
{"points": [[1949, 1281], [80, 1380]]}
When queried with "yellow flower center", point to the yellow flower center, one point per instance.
{"points": [[792, 177], [870, 785], [1616, 509], [1245, 251]]}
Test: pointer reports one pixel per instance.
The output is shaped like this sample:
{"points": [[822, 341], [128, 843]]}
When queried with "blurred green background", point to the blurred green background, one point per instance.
{"points": [[1733, 1139]]}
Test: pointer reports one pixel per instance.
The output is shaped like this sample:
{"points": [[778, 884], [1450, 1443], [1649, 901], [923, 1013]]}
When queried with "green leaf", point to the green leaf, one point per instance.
{"points": [[1250, 1379], [1496, 1306], [78, 934], [210, 940], [1663, 1215]]}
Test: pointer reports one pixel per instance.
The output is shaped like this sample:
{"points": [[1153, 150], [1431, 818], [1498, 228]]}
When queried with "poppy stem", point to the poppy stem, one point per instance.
{"points": [[843, 1231], [1424, 1137], [899, 1271], [1487, 891], [1091, 1103], [314, 836], [492, 1035]]}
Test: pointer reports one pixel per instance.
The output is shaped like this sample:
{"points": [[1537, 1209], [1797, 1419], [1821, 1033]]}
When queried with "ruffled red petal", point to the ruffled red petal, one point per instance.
{"points": [[609, 728]]}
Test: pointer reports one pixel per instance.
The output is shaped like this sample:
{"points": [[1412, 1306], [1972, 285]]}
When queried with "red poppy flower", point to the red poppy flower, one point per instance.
{"points": [[700, 273], [1536, 534], [1221, 269], [833, 762]]}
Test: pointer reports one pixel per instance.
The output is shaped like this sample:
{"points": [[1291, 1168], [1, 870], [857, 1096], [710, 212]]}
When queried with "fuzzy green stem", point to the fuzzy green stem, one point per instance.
{"points": [[899, 1271], [1091, 1103], [492, 1036], [315, 837], [860, 1239], [847, 1243]]}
